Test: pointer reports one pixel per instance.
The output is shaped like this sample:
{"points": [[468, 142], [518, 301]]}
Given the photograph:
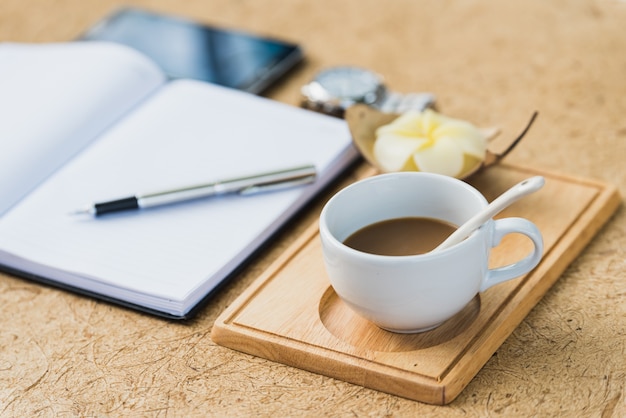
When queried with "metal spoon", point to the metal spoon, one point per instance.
{"points": [[521, 189]]}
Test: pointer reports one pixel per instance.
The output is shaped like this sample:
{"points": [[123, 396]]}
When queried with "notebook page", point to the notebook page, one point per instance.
{"points": [[188, 133], [55, 99]]}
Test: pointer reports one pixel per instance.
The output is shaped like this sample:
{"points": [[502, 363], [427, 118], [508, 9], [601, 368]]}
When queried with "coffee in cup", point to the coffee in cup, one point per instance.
{"points": [[401, 236]]}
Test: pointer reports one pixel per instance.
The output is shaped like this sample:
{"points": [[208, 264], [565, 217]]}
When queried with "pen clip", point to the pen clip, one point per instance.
{"points": [[277, 185]]}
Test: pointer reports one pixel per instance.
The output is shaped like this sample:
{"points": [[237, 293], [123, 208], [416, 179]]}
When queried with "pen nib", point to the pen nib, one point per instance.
{"points": [[81, 212]]}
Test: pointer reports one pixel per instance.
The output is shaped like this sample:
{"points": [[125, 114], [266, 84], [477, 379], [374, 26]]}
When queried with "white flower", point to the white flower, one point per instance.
{"points": [[429, 141]]}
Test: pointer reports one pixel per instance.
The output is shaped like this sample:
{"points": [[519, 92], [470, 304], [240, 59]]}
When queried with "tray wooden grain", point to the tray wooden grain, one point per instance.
{"points": [[291, 314]]}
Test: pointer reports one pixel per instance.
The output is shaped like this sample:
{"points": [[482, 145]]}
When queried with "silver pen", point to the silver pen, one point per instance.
{"points": [[270, 181]]}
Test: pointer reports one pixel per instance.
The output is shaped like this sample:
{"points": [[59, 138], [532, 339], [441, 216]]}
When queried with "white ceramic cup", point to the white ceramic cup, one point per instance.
{"points": [[415, 293]]}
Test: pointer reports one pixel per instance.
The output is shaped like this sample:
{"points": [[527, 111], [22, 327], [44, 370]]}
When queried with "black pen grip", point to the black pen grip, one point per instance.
{"points": [[128, 203]]}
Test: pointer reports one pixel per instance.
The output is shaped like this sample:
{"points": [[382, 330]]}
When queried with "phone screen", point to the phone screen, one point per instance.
{"points": [[185, 49]]}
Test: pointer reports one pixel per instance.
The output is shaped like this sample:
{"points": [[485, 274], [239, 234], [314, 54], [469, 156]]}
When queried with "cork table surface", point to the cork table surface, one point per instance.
{"points": [[489, 62]]}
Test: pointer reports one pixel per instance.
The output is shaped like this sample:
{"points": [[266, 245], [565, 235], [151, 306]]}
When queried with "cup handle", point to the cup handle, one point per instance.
{"points": [[506, 226]]}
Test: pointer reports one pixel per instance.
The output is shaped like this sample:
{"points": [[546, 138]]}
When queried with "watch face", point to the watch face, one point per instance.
{"points": [[351, 84]]}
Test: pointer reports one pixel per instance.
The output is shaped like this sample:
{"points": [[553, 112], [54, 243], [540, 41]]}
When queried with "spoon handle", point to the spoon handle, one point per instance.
{"points": [[521, 189]]}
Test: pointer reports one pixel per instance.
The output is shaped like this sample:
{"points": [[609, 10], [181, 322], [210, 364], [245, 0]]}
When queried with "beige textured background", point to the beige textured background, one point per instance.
{"points": [[490, 62]]}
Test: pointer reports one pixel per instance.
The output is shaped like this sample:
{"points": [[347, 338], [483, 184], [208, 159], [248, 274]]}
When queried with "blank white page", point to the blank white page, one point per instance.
{"points": [[169, 257], [56, 98]]}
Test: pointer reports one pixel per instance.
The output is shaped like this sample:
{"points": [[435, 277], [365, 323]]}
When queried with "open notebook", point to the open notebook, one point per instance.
{"points": [[86, 122]]}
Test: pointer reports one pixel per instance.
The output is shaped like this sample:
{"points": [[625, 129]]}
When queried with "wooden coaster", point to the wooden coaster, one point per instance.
{"points": [[292, 315]]}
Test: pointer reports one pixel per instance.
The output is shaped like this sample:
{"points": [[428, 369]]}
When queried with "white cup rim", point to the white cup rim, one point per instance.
{"points": [[332, 239]]}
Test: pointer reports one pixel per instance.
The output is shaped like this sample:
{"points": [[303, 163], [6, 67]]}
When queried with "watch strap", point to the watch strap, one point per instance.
{"points": [[400, 103]]}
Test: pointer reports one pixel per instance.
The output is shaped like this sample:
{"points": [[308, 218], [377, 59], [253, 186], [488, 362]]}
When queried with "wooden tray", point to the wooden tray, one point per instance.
{"points": [[292, 315]]}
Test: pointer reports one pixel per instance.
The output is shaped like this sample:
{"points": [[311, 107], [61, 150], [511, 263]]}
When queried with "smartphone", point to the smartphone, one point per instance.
{"points": [[187, 49]]}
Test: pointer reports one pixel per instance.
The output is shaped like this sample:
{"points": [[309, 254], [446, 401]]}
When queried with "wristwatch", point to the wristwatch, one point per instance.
{"points": [[335, 89]]}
